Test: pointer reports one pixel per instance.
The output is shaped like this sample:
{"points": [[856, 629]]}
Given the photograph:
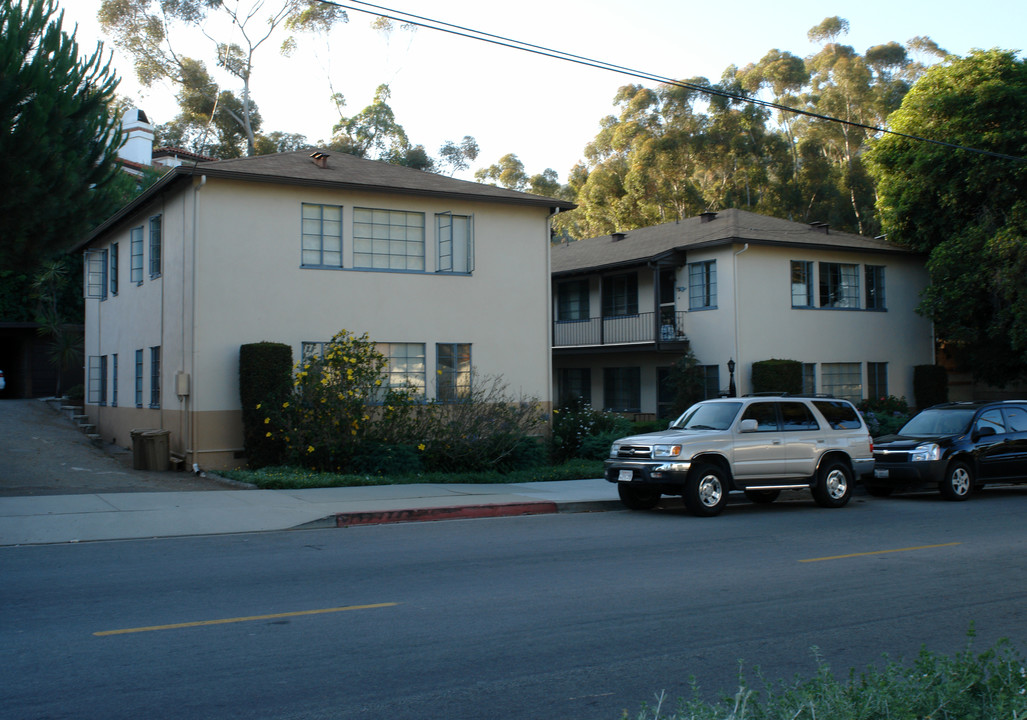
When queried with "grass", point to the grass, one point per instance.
{"points": [[967, 686], [292, 478]]}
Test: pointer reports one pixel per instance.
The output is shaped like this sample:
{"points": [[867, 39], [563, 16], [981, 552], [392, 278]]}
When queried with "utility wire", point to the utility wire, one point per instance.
{"points": [[461, 31]]}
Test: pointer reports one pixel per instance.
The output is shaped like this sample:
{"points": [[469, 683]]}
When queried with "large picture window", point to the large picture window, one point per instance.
{"points": [[406, 366], [455, 243], [839, 286], [842, 380], [321, 236], [620, 295], [388, 239], [574, 385], [702, 285], [453, 369]]}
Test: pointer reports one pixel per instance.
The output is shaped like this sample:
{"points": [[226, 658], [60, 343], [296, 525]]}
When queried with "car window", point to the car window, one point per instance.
{"points": [[840, 415], [937, 421], [796, 416], [1016, 419], [707, 416], [765, 415], [991, 419]]}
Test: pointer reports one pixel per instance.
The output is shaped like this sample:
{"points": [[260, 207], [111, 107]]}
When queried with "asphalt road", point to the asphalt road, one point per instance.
{"points": [[568, 617], [43, 453]]}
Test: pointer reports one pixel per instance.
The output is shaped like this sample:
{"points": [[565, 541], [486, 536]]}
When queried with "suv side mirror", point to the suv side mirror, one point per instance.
{"points": [[748, 425], [985, 431]]}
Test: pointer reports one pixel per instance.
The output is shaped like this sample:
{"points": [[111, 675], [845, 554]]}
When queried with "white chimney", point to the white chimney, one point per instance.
{"points": [[138, 147]]}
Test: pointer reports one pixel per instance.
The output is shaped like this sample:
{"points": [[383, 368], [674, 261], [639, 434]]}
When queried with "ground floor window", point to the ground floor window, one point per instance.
{"points": [[155, 377], [622, 390], [711, 380], [406, 366], [573, 385], [453, 370], [809, 378], [139, 378], [877, 380], [97, 380], [842, 380]]}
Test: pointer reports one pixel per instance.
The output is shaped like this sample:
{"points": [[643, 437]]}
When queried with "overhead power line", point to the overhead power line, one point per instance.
{"points": [[472, 34]]}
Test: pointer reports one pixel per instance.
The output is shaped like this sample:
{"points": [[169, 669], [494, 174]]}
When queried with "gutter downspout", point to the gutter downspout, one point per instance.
{"points": [[734, 271], [550, 379]]}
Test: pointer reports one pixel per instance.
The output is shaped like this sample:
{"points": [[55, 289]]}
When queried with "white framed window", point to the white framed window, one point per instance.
{"points": [[839, 286], [406, 366], [453, 370], [388, 239], [702, 285], [136, 246], [97, 380], [321, 241], [455, 237], [156, 224], [844, 380]]}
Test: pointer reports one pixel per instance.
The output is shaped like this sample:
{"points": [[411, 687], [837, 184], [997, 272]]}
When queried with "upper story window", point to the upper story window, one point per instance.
{"points": [[95, 263], [572, 301], [875, 287], [620, 295], [136, 243], [321, 244], [114, 270], [155, 243], [839, 285], [702, 285], [388, 239], [455, 243], [802, 283]]}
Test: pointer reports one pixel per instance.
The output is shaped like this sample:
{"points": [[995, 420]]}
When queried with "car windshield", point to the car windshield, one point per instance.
{"points": [[936, 421], [707, 416]]}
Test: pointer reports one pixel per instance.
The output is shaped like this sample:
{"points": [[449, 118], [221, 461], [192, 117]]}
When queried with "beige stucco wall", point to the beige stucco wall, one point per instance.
{"points": [[237, 279]]}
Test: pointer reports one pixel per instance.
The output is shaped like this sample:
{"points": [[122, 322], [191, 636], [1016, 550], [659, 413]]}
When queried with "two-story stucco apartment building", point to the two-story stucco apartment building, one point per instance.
{"points": [[446, 274], [735, 287]]}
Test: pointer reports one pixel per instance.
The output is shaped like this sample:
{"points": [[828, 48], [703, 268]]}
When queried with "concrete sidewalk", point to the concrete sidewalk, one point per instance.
{"points": [[46, 519]]}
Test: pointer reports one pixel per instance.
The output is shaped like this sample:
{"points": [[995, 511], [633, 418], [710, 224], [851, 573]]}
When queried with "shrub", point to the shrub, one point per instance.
{"points": [[884, 416], [265, 379], [578, 422], [777, 376]]}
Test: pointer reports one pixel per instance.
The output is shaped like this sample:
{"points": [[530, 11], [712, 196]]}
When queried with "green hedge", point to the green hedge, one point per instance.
{"points": [[777, 376], [265, 377]]}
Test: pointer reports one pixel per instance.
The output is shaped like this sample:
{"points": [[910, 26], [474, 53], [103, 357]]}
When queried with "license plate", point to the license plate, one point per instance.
{"points": [[880, 473], [625, 476]]}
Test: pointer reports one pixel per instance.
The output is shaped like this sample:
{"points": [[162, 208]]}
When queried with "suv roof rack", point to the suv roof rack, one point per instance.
{"points": [[788, 394]]}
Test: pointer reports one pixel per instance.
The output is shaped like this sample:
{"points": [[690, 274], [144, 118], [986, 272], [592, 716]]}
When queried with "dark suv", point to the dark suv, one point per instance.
{"points": [[956, 447]]}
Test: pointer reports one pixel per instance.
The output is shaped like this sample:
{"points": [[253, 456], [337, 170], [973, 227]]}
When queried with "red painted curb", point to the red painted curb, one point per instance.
{"points": [[443, 513]]}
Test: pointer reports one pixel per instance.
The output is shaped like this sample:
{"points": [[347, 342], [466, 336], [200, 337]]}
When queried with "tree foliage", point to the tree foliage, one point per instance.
{"points": [[149, 31], [58, 142], [966, 210]]}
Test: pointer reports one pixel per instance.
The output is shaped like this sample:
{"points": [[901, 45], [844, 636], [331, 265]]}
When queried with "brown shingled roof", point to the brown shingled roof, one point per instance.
{"points": [[633, 247]]}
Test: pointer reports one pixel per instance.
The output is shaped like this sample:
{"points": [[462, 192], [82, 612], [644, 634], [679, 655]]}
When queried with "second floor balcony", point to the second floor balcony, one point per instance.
{"points": [[654, 330]]}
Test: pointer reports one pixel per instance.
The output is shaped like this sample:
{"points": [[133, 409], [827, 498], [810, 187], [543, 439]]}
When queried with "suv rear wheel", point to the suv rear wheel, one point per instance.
{"points": [[834, 485], [958, 482], [706, 491], [637, 498]]}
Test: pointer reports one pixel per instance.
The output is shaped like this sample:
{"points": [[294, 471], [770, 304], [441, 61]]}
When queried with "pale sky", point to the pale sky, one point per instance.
{"points": [[542, 109]]}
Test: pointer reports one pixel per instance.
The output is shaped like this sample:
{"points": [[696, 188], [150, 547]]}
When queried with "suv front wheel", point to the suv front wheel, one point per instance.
{"points": [[706, 491], [958, 482], [834, 485]]}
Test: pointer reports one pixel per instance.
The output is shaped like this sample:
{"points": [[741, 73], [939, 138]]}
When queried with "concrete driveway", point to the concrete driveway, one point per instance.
{"points": [[44, 453]]}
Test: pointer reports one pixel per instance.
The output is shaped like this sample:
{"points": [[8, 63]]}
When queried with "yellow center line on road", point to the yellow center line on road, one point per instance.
{"points": [[251, 618], [880, 552]]}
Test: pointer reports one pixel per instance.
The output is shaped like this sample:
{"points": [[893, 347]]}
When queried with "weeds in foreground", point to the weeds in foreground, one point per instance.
{"points": [[967, 686]]}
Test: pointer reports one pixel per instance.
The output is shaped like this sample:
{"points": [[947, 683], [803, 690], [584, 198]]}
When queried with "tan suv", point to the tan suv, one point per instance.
{"points": [[759, 445]]}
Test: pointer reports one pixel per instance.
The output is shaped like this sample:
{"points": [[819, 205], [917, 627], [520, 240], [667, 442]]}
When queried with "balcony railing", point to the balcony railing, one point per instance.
{"points": [[623, 330]]}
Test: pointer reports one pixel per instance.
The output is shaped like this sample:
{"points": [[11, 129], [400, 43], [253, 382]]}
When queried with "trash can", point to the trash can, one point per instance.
{"points": [[150, 449], [138, 449], [157, 449]]}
